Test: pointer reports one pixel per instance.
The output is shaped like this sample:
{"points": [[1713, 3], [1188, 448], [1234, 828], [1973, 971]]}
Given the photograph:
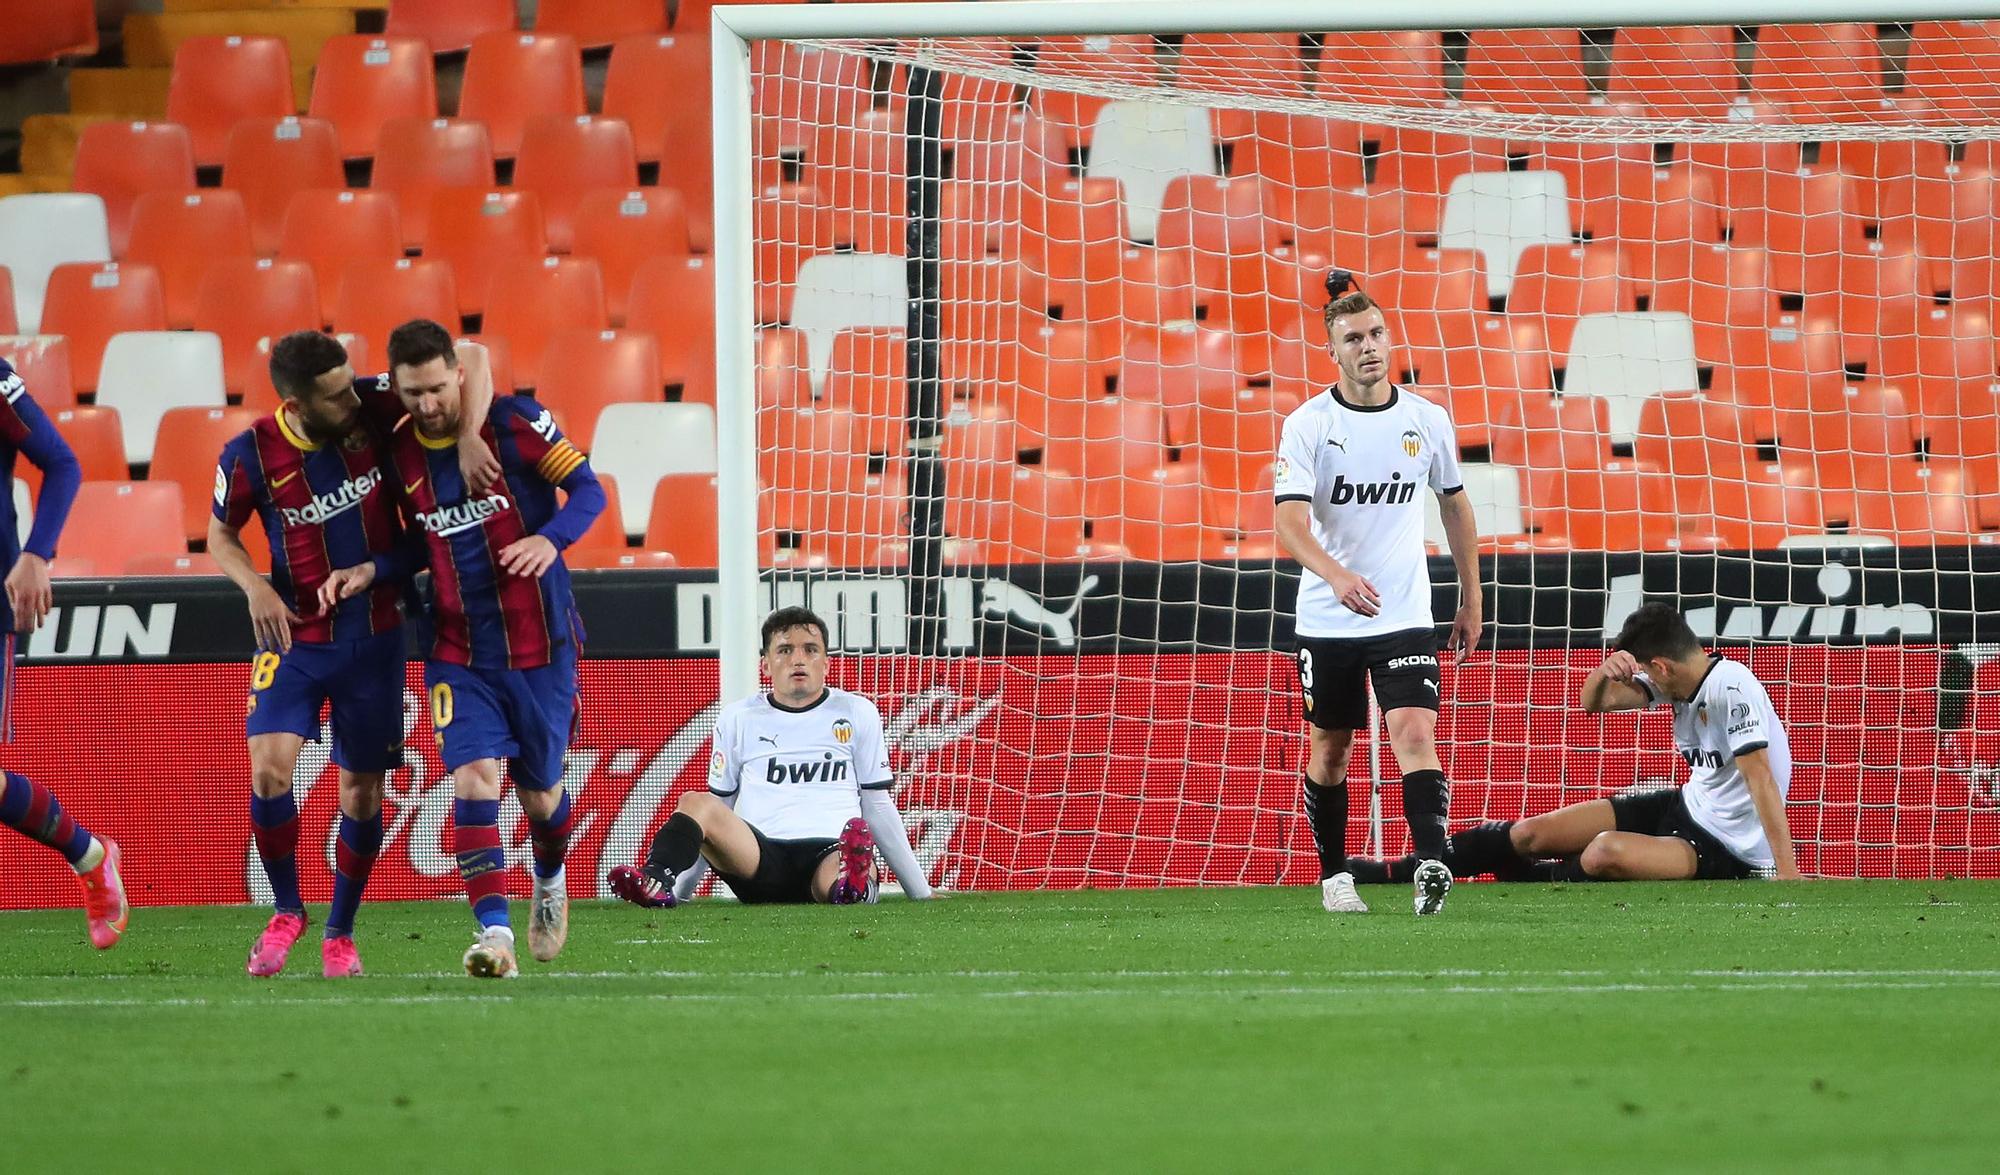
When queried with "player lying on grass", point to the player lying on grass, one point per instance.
{"points": [[798, 793], [1728, 821]]}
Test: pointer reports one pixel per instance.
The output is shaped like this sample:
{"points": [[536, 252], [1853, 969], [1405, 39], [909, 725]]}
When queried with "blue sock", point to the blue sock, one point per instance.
{"points": [[354, 857], [274, 823], [31, 808], [482, 863]]}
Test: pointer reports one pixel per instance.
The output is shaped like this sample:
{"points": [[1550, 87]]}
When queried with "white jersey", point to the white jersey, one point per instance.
{"points": [[798, 774], [1363, 469], [1730, 715]]}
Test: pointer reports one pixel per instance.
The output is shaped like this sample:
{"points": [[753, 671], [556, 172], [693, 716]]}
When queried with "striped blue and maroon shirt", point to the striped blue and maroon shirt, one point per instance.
{"points": [[483, 617], [25, 431]]}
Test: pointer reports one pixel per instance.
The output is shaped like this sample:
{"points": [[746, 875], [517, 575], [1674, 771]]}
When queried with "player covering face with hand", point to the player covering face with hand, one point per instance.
{"points": [[798, 793]]}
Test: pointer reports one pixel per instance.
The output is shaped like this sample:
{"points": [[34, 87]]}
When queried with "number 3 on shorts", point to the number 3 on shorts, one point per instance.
{"points": [[440, 705], [1306, 671]]}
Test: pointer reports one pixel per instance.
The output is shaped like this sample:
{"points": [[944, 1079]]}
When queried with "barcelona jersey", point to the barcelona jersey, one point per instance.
{"points": [[25, 431], [484, 617], [324, 507]]}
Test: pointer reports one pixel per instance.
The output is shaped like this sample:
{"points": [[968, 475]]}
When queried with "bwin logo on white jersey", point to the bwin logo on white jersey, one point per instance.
{"points": [[827, 770], [1393, 492], [331, 504], [449, 520]]}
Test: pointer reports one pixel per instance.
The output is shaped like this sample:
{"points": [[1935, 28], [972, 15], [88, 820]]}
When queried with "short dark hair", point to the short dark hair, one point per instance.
{"points": [[419, 341], [785, 618], [1352, 302], [300, 358], [1657, 629]]}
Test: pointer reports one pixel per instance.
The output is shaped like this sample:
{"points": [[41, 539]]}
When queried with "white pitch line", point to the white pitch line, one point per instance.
{"points": [[1177, 973]]}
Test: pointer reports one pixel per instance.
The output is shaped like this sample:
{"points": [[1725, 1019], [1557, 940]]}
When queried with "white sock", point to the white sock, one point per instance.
{"points": [[549, 883], [92, 857], [506, 931]]}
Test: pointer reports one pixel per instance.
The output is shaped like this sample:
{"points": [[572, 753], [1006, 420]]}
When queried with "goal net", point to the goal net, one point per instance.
{"points": [[1710, 307]]}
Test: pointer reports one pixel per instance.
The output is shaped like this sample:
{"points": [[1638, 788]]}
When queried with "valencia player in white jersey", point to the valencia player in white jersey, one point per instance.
{"points": [[1353, 465], [1727, 821], [798, 793]]}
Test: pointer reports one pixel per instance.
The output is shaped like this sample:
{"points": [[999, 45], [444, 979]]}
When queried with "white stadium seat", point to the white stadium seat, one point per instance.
{"points": [[41, 230], [1501, 213], [1624, 358], [836, 291], [640, 443], [1145, 145], [1495, 494], [146, 372]]}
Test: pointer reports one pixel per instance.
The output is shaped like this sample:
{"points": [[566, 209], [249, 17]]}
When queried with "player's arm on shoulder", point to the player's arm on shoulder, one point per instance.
{"points": [[478, 464], [1615, 685]]}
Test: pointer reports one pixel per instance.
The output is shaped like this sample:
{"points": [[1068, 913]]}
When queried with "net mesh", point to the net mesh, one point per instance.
{"points": [[1710, 309]]}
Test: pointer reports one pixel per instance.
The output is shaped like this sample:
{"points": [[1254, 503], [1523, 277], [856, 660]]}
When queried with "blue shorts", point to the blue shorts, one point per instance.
{"points": [[528, 716], [362, 678]]}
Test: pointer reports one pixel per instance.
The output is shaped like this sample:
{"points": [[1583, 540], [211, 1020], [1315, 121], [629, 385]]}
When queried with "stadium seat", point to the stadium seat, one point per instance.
{"points": [[364, 81], [1393, 69], [1242, 63], [1175, 367], [1495, 494], [1765, 505], [869, 377], [269, 161], [449, 26], [1144, 145], [682, 518], [373, 298], [1075, 233], [858, 527], [119, 160], [641, 443], [790, 222], [147, 372], [40, 231], [644, 86], [97, 437], [249, 304], [835, 292], [186, 447], [620, 228], [1955, 66], [1500, 214], [1558, 284], [114, 522], [1627, 357], [1847, 434], [607, 530], [527, 298], [563, 158], [673, 299], [89, 302], [859, 168], [48, 29], [596, 24], [327, 228], [511, 77], [821, 450], [1526, 71], [1818, 72], [1234, 433], [1040, 519], [1696, 441], [625, 560], [1540, 433], [417, 157], [1674, 72], [584, 370], [180, 234], [1155, 515], [782, 381], [1952, 346], [1805, 223], [43, 363], [219, 81], [171, 565], [476, 229]]}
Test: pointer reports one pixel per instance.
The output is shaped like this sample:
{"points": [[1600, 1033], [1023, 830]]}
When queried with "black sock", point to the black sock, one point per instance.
{"points": [[1559, 869], [1485, 848], [1326, 811], [675, 847], [1369, 871], [1426, 798]]}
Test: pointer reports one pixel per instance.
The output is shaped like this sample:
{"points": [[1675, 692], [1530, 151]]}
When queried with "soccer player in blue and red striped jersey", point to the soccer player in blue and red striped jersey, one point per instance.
{"points": [[502, 671], [312, 472], [27, 806]]}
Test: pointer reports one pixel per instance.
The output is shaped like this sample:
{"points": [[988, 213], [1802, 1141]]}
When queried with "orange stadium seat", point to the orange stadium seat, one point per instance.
{"points": [[644, 85], [1400, 68], [48, 29], [620, 228], [869, 377], [43, 363], [1075, 233], [375, 297], [822, 450], [1041, 519], [114, 522], [790, 222], [1804, 223], [476, 229], [1955, 65], [326, 228], [511, 77], [119, 160], [563, 158], [607, 530], [180, 234], [683, 519], [1175, 367], [449, 26], [185, 451], [1765, 505], [782, 378], [1818, 72], [415, 157], [90, 301], [1847, 435], [1694, 440], [1526, 70], [1156, 515], [1559, 284], [1235, 436], [528, 298], [1546, 432], [859, 167], [1674, 72], [97, 437], [219, 81], [271, 160], [1217, 218], [364, 81], [250, 303], [598, 23], [673, 298], [1923, 502], [584, 370], [1295, 153], [1952, 346], [1242, 63]]}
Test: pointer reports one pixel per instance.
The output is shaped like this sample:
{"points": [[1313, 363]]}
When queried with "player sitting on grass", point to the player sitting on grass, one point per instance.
{"points": [[1727, 822], [798, 793]]}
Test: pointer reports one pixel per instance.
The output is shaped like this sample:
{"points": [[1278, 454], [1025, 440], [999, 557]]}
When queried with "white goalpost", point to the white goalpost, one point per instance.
{"points": [[1012, 297]]}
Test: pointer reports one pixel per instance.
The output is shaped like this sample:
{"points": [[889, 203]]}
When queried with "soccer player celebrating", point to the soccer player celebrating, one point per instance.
{"points": [[1727, 822], [1351, 464], [26, 806], [502, 670], [312, 473], [798, 793]]}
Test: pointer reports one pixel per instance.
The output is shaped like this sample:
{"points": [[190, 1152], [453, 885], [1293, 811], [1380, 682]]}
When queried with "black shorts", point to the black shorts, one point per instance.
{"points": [[1335, 673], [785, 869], [1664, 813]]}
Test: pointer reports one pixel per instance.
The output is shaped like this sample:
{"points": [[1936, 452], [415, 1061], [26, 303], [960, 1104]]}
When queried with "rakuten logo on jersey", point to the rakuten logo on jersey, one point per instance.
{"points": [[448, 520], [826, 769], [333, 503], [1393, 492]]}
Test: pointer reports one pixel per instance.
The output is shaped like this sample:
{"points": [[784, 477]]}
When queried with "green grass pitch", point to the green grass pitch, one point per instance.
{"points": [[1694, 1027]]}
